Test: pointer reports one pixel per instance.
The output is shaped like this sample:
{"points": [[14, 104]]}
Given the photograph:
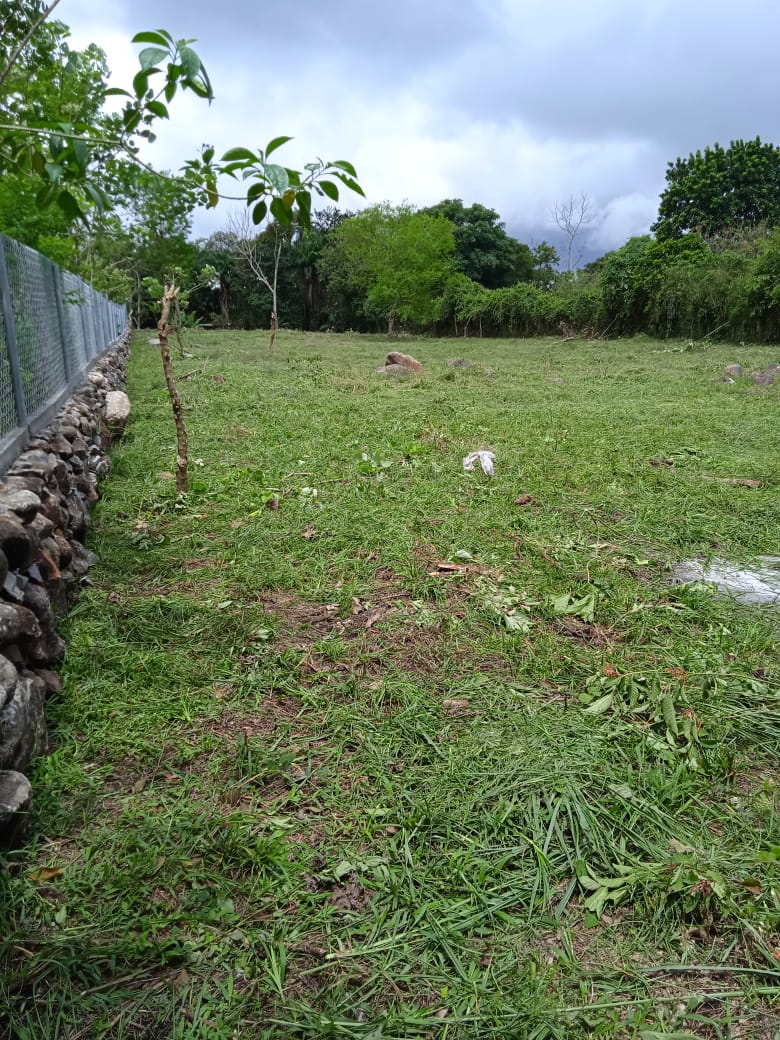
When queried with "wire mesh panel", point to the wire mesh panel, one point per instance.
{"points": [[88, 319], [7, 406], [52, 325], [34, 307], [73, 301]]}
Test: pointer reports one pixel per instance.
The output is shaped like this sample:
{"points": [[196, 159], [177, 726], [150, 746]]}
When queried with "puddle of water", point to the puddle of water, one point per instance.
{"points": [[758, 585]]}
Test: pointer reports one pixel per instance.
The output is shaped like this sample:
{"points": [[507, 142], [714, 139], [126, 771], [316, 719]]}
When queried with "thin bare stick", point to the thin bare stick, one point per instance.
{"points": [[170, 294]]}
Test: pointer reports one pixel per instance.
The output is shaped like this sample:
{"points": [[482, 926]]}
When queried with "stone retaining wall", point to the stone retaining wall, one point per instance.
{"points": [[45, 498]]}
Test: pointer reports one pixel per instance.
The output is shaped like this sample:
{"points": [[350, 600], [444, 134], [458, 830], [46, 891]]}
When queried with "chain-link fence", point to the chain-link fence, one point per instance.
{"points": [[52, 327]]}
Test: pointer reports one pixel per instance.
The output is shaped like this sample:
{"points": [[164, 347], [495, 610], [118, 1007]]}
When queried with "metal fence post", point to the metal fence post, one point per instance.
{"points": [[56, 277], [10, 339]]}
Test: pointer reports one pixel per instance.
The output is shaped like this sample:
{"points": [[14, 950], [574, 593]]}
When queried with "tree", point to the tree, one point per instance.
{"points": [[485, 253], [390, 264], [261, 253], [721, 190], [570, 217]]}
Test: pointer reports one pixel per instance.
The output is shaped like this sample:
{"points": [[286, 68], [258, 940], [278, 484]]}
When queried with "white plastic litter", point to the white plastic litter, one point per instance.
{"points": [[758, 585], [485, 459]]}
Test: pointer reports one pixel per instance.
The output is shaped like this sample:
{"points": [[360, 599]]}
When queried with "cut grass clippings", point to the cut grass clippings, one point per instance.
{"points": [[356, 744]]}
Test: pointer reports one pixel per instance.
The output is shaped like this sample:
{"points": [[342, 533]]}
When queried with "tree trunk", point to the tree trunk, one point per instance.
{"points": [[170, 294]]}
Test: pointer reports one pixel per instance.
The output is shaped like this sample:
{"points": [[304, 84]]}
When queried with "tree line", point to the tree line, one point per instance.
{"points": [[72, 187]]}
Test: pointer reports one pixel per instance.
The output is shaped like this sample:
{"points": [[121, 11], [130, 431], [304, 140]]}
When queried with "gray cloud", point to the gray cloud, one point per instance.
{"points": [[513, 103]]}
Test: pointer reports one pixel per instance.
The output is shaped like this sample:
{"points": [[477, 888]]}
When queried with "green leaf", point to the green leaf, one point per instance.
{"points": [[303, 198], [170, 91], [157, 108], [97, 196], [344, 165], [81, 153], [669, 714], [190, 61], [69, 206], [212, 195], [600, 706], [259, 212], [116, 92], [239, 155], [329, 188], [256, 191], [161, 38], [276, 143], [141, 81], [351, 184], [152, 56], [280, 211], [53, 171], [277, 177], [208, 154]]}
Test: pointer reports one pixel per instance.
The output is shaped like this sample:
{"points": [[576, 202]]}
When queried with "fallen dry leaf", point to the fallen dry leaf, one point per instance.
{"points": [[662, 462], [165, 475], [524, 500], [309, 532], [46, 873], [218, 379]]}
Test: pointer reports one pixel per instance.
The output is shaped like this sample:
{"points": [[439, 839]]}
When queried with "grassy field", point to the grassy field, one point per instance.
{"points": [[356, 744]]}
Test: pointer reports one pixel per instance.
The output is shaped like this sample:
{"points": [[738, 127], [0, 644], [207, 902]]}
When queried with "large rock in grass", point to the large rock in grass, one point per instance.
{"points": [[767, 376], [117, 410], [398, 364]]}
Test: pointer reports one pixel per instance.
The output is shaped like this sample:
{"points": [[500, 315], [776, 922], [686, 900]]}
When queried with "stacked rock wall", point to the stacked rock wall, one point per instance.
{"points": [[45, 498]]}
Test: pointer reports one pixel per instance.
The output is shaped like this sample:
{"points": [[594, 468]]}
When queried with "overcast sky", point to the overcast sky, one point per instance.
{"points": [[515, 104]]}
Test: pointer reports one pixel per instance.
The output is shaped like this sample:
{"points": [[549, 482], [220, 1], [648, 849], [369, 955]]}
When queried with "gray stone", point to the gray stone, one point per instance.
{"points": [[16, 621], [14, 585], [459, 362], [22, 728], [9, 677], [16, 800], [40, 526], [767, 376], [23, 504], [733, 370], [34, 463], [14, 542], [117, 410]]}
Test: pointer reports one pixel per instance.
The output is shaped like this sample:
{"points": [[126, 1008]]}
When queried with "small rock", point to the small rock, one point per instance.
{"points": [[22, 728], [735, 371], [14, 542], [16, 621], [14, 585], [459, 362], [16, 798], [23, 504]]}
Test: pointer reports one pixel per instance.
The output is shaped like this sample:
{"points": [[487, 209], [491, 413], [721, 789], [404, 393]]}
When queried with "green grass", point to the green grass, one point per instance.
{"points": [[309, 782]]}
